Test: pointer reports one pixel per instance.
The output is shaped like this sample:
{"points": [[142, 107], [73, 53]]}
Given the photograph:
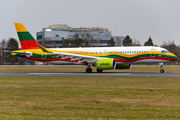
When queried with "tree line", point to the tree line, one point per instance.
{"points": [[6, 46], [85, 41]]}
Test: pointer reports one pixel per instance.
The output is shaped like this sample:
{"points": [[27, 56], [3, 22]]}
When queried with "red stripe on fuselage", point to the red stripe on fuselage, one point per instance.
{"points": [[157, 58], [143, 58], [117, 60]]}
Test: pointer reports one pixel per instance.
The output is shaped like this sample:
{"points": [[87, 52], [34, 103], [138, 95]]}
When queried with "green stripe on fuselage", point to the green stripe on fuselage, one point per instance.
{"points": [[138, 56], [25, 36], [39, 56]]}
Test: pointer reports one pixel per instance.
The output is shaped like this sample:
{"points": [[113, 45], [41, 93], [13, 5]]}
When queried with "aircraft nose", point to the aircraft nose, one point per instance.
{"points": [[175, 57]]}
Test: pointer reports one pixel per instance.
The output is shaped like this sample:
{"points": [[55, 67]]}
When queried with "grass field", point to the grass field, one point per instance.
{"points": [[58, 68], [88, 98]]}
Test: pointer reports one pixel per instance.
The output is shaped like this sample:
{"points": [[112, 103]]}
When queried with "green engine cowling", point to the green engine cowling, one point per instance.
{"points": [[124, 66], [105, 64]]}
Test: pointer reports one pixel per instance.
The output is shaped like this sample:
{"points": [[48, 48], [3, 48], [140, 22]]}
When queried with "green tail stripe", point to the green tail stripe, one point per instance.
{"points": [[25, 36], [43, 49]]}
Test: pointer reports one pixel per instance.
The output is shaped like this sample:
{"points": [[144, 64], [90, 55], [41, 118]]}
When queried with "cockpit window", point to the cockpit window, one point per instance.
{"points": [[165, 51]]}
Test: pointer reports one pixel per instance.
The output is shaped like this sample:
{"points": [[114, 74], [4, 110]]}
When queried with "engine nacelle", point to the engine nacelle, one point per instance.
{"points": [[105, 64], [124, 66]]}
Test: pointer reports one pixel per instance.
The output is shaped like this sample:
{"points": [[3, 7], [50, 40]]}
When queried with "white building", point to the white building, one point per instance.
{"points": [[57, 33]]}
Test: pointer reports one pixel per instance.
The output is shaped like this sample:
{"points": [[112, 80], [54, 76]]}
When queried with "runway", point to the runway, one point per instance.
{"points": [[82, 74]]}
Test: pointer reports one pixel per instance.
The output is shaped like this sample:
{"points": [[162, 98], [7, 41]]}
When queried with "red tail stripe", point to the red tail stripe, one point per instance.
{"points": [[31, 44]]}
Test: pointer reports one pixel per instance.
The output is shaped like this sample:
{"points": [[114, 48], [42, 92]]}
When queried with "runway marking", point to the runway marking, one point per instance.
{"points": [[81, 73], [94, 74]]}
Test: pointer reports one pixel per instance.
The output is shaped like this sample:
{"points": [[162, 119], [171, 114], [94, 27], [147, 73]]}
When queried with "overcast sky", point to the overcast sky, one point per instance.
{"points": [[139, 19]]}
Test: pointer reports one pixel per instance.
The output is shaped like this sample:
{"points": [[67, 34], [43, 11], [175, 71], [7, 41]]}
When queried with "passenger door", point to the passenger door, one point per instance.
{"points": [[153, 52], [105, 52]]}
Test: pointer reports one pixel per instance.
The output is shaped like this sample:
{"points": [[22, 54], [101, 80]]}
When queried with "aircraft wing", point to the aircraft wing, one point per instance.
{"points": [[81, 58]]}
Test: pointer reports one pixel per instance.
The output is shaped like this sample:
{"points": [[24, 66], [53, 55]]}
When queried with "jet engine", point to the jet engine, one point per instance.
{"points": [[105, 64], [124, 66]]}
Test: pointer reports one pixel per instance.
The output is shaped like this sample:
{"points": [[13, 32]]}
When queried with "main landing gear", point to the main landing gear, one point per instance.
{"points": [[162, 70], [88, 70], [99, 71]]}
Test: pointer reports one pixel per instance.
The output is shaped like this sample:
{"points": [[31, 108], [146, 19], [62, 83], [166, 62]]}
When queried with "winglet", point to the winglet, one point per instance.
{"points": [[43, 49]]}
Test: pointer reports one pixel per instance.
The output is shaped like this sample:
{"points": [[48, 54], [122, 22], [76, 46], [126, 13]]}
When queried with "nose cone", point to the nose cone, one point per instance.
{"points": [[175, 57]]}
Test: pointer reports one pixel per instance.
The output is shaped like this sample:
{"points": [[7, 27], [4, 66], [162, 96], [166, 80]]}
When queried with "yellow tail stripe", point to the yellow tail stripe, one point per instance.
{"points": [[20, 27]]}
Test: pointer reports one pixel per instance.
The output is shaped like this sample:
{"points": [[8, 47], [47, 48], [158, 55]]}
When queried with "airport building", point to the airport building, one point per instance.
{"points": [[58, 33]]}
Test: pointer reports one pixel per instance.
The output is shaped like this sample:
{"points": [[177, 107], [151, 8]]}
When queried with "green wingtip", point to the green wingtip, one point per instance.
{"points": [[43, 49]]}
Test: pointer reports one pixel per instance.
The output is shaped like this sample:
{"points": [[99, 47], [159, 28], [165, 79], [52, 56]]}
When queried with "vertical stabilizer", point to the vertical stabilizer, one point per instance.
{"points": [[26, 39]]}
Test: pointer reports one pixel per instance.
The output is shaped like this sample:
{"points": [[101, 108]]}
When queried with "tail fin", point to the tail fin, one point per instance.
{"points": [[26, 39]]}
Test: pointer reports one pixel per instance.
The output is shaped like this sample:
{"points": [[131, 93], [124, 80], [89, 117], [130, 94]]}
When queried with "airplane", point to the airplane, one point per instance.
{"points": [[104, 58]]}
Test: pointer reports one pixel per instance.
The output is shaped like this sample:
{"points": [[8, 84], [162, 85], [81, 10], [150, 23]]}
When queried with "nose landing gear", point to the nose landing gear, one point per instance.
{"points": [[162, 70]]}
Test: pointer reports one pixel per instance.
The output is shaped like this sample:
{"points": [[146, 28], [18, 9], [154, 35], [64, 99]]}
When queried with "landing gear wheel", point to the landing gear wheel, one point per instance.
{"points": [[162, 71], [99, 71], [88, 70], [161, 64]]}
